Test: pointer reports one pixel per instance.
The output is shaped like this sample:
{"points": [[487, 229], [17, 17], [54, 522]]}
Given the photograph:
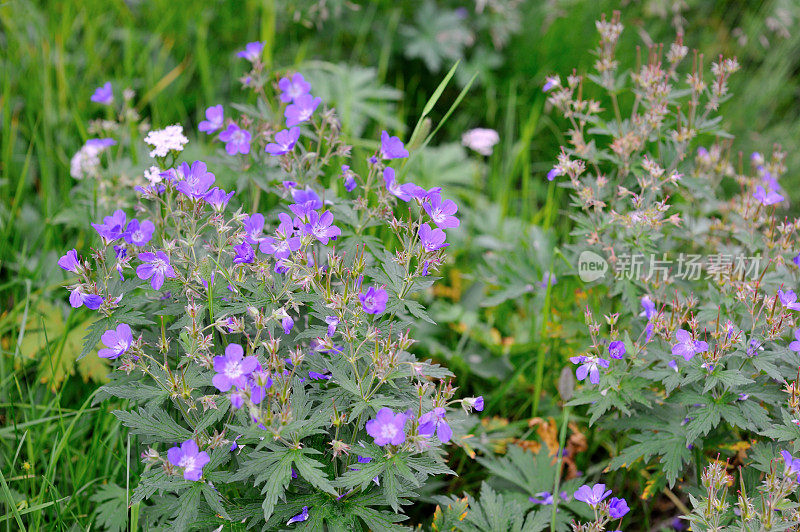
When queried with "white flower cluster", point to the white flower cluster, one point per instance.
{"points": [[87, 160], [481, 140], [163, 141]]}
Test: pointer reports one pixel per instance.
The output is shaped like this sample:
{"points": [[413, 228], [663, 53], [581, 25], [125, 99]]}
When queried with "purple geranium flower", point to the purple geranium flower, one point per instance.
{"points": [[302, 516], [687, 346], [78, 297], [553, 173], [374, 300], [434, 421], [252, 51], [617, 508], [287, 323], [393, 186], [649, 308], [112, 226], [616, 349], [285, 244], [293, 88], [795, 345], [189, 457], [332, 322], [318, 376], [244, 253], [387, 427], [589, 367], [431, 239], [791, 465], [392, 147], [253, 226], [475, 402], [441, 212], [233, 368], [139, 233], [543, 497], [284, 141], [767, 198], [104, 94], [350, 180], [592, 496], [215, 117], [117, 341], [196, 180], [70, 261], [301, 110], [307, 197], [218, 198], [236, 139], [789, 299], [155, 267], [320, 226]]}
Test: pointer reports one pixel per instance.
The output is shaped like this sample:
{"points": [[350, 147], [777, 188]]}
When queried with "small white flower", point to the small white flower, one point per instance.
{"points": [[163, 141], [480, 140], [153, 175]]}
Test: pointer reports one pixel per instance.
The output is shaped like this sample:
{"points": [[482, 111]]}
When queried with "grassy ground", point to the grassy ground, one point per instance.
{"points": [[56, 446]]}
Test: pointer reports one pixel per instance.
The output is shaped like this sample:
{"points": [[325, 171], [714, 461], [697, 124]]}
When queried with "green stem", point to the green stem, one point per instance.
{"points": [[562, 438]]}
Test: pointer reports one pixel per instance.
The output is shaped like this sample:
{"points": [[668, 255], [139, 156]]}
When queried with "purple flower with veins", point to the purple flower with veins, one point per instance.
{"points": [[649, 308], [252, 51], [139, 233], [78, 298], [589, 366], [244, 253], [218, 198], [616, 349], [767, 198], [387, 427], [392, 185], [233, 368], [284, 141], [190, 458], [293, 88], [431, 239], [687, 346], [374, 300], [103, 95], [332, 322], [475, 402], [791, 465], [301, 110], [69, 261], [117, 341], [617, 508], [392, 147], [435, 421], [112, 226], [320, 226], [285, 244], [795, 345], [196, 180], [236, 139], [215, 118], [414, 191], [592, 496], [302, 516], [788, 299], [155, 267], [253, 226], [441, 212], [307, 196]]}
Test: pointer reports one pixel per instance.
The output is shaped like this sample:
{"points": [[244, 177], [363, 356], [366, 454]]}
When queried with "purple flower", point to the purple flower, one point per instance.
{"points": [[789, 299], [794, 346], [431, 239], [648, 331], [374, 300], [687, 346], [232, 369], [441, 212], [244, 253], [477, 403], [318, 376], [649, 308], [392, 147], [252, 51], [253, 226], [434, 421], [791, 466], [155, 267], [70, 261], [796, 260], [218, 198], [287, 323], [103, 95], [293, 88], [112, 226], [139, 234], [553, 173], [117, 341], [548, 278], [100, 144], [414, 191], [285, 244], [307, 197], [592, 496], [392, 185], [189, 457], [236, 139], [302, 516], [301, 110], [550, 83], [767, 198], [196, 180], [332, 322], [284, 141], [543, 497], [589, 367], [617, 508], [350, 180], [616, 349], [387, 427], [78, 297], [215, 117], [320, 226]]}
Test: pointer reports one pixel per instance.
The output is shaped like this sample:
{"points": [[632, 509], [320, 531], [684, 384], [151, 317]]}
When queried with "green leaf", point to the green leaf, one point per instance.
{"points": [[154, 425], [111, 510]]}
